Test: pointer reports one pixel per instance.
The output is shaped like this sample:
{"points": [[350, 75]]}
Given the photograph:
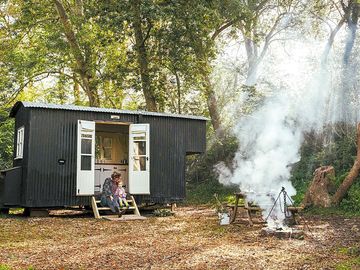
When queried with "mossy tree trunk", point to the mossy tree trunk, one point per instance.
{"points": [[318, 193], [351, 177]]}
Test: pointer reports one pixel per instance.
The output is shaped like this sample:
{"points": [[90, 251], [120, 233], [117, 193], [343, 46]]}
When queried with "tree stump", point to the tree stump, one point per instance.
{"points": [[320, 187]]}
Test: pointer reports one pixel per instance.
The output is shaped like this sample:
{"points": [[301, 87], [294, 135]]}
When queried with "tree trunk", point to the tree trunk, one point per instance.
{"points": [[178, 85], [81, 67], [213, 106], [318, 192], [348, 82], [76, 91], [330, 41], [351, 177], [142, 57]]}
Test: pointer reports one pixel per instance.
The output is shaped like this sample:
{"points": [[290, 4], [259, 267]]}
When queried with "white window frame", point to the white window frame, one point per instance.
{"points": [[20, 142]]}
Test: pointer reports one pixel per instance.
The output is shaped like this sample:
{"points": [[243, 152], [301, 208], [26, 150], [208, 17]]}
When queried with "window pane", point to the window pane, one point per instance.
{"points": [[139, 138], [138, 135], [107, 153], [107, 142], [20, 142], [88, 136], [139, 148], [85, 146], [86, 163], [139, 164]]}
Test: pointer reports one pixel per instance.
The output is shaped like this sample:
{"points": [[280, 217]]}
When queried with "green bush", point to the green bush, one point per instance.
{"points": [[201, 178], [6, 140], [203, 193], [340, 153], [352, 201]]}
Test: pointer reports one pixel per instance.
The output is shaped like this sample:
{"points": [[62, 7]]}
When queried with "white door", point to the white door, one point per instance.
{"points": [[85, 175], [139, 163]]}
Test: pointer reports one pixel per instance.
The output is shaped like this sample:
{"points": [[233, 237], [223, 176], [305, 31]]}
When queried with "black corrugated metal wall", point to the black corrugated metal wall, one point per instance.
{"points": [[53, 136]]}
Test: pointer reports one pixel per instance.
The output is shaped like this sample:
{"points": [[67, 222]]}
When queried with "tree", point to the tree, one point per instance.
{"points": [[348, 111], [84, 59], [140, 44], [79, 54], [204, 33], [351, 177], [6, 140], [264, 21]]}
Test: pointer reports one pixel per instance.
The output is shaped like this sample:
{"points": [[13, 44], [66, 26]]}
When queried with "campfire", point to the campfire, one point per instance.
{"points": [[281, 221], [283, 233]]}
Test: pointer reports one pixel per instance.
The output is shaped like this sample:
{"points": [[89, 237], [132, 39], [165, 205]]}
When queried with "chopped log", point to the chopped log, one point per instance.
{"points": [[318, 192]]}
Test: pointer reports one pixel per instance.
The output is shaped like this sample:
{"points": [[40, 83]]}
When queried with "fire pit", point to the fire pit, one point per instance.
{"points": [[283, 233], [281, 220]]}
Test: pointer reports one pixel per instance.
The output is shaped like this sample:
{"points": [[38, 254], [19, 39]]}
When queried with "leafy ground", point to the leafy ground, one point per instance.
{"points": [[192, 239]]}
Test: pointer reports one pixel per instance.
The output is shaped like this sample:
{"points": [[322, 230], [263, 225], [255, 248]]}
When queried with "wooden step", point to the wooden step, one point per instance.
{"points": [[132, 207], [128, 200], [103, 208]]}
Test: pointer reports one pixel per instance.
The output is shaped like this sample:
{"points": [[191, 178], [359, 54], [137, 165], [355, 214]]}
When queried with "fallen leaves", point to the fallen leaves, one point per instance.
{"points": [[192, 239]]}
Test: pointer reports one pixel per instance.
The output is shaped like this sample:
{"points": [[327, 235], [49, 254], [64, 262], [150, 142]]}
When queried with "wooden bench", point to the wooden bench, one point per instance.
{"points": [[249, 208]]}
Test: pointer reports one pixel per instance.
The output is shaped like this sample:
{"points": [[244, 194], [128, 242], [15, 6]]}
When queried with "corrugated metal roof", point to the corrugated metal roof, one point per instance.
{"points": [[96, 109]]}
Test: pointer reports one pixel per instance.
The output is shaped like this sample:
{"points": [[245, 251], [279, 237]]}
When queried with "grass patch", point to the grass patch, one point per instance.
{"points": [[349, 264], [16, 211], [353, 262], [203, 193]]}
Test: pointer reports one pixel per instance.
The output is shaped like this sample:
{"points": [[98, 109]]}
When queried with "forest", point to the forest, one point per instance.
{"points": [[277, 79], [279, 84]]}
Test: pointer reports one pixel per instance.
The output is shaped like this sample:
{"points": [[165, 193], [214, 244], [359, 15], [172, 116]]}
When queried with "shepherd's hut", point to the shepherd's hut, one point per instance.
{"points": [[63, 153]]}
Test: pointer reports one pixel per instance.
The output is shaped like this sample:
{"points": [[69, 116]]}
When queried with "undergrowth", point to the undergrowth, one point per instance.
{"points": [[340, 152], [201, 178]]}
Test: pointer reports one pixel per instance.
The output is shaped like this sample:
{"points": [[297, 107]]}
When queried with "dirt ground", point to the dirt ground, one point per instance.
{"points": [[192, 239]]}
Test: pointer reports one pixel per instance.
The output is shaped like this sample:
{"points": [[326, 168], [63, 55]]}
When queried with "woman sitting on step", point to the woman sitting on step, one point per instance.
{"points": [[107, 195]]}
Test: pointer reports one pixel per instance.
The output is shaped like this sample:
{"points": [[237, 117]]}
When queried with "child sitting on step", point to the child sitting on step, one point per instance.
{"points": [[120, 195]]}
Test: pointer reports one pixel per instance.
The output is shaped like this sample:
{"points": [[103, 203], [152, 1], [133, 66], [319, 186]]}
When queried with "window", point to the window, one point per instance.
{"points": [[107, 147], [104, 148], [20, 142], [86, 152], [139, 150]]}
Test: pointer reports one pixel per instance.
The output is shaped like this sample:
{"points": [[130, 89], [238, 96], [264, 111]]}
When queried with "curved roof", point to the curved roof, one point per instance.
{"points": [[27, 104]]}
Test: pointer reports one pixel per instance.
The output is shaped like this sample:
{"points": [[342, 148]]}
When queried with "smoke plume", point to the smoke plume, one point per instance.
{"points": [[297, 98]]}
